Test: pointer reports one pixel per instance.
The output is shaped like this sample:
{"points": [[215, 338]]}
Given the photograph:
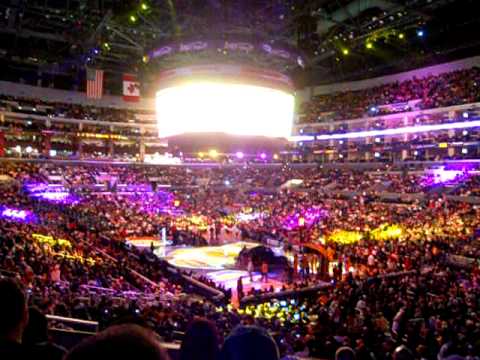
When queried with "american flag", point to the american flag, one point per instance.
{"points": [[94, 83]]}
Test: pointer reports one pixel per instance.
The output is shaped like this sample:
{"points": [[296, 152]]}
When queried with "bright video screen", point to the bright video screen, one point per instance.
{"points": [[235, 109]]}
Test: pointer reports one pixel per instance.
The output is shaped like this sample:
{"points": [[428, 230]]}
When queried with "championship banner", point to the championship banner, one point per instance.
{"points": [[131, 88]]}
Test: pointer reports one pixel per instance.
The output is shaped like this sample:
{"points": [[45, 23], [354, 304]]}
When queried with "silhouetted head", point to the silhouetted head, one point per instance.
{"points": [[120, 342], [249, 343], [13, 310], [201, 341]]}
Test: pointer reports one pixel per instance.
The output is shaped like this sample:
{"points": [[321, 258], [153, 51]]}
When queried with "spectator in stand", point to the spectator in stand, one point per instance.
{"points": [[13, 320], [433, 91], [373, 307]]}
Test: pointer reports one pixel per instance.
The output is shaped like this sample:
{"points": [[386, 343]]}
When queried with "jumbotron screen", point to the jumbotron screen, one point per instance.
{"points": [[222, 104]]}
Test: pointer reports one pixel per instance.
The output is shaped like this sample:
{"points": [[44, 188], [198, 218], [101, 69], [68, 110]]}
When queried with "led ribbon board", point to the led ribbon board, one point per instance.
{"points": [[401, 130]]}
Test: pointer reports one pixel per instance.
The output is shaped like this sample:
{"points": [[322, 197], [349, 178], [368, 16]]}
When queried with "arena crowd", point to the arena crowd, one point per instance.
{"points": [[433, 91], [402, 283]]}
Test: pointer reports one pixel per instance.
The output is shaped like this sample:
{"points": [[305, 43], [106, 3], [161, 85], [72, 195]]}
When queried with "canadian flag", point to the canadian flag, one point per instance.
{"points": [[131, 88]]}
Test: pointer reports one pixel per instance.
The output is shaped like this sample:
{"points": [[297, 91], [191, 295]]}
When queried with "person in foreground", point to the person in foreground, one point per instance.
{"points": [[13, 320], [249, 343], [201, 341], [120, 342], [35, 337]]}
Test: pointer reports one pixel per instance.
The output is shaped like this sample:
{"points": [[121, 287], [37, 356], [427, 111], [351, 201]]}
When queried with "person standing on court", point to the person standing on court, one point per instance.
{"points": [[250, 268], [264, 271]]}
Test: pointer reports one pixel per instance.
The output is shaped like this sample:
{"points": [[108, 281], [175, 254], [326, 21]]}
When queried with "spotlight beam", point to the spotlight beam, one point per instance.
{"points": [[402, 130]]}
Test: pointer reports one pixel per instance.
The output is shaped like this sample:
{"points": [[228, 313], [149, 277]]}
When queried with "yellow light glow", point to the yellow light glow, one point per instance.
{"points": [[51, 241], [345, 237], [213, 153], [223, 107], [386, 232]]}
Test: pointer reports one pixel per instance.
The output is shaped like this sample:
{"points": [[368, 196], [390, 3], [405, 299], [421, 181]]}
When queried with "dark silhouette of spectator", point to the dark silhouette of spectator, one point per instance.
{"points": [[403, 353], [13, 319], [201, 341], [120, 342], [249, 343], [345, 353], [35, 337]]}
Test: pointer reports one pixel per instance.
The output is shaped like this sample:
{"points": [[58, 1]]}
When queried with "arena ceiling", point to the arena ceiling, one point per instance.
{"points": [[335, 39]]}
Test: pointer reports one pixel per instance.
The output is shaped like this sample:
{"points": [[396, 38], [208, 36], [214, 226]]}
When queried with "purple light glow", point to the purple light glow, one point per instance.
{"points": [[442, 176], [402, 130], [310, 217], [54, 193], [59, 197], [36, 187], [155, 203], [17, 214], [263, 156], [239, 155], [246, 217]]}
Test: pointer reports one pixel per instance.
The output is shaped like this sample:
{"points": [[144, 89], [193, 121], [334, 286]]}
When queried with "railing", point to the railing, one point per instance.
{"points": [[404, 197], [53, 119], [7, 273], [294, 293], [461, 261], [73, 321], [134, 272], [303, 165], [79, 329], [217, 294], [285, 294]]}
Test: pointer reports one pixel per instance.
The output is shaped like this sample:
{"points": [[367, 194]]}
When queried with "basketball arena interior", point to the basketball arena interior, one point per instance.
{"points": [[240, 179]]}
